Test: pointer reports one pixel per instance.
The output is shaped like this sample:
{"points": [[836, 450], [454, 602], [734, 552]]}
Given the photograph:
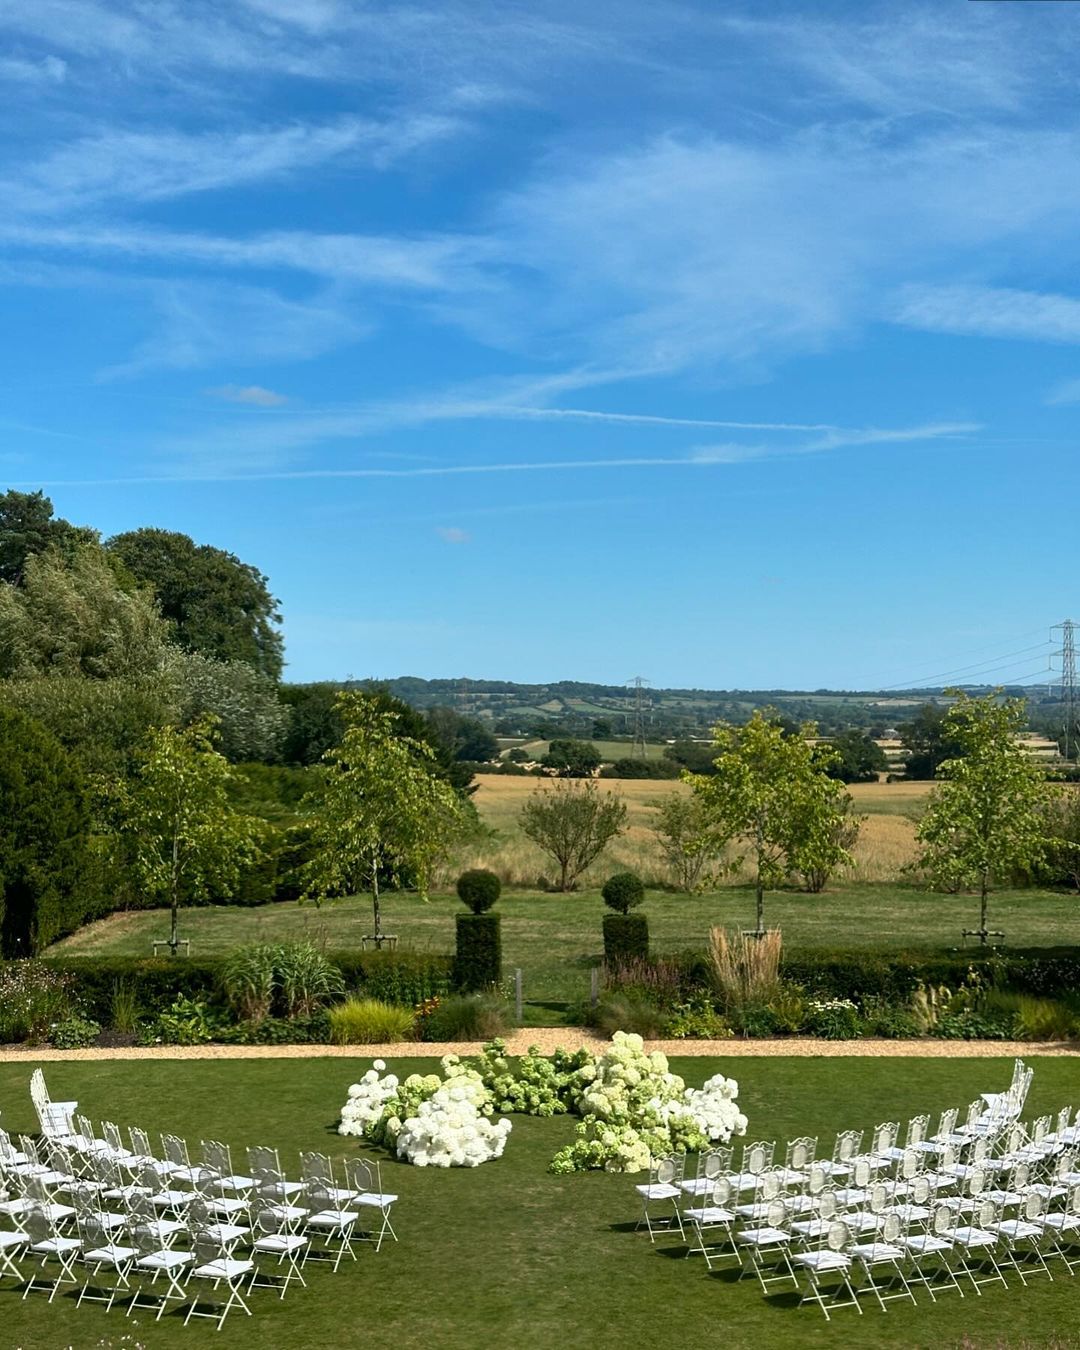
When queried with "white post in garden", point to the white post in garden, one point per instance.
{"points": [[594, 986], [517, 994]]}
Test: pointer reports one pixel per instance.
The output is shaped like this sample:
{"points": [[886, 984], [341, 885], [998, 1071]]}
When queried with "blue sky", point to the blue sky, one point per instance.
{"points": [[735, 345]]}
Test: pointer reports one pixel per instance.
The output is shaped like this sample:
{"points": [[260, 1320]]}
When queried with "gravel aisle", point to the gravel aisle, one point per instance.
{"points": [[550, 1038]]}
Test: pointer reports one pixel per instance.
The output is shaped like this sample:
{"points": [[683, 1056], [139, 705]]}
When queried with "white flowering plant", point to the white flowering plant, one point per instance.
{"points": [[634, 1108], [427, 1120], [540, 1087]]}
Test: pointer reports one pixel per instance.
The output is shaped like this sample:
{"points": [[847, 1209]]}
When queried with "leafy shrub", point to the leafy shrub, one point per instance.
{"points": [[478, 889], [788, 1008], [888, 1021], [368, 1021], [970, 1025], [478, 964], [661, 981], [248, 978], [697, 1019], [623, 892], [124, 1007], [1035, 1019], [313, 1030], [396, 977], [188, 1021], [32, 998], [74, 1033], [629, 1012], [306, 979], [833, 1019], [754, 1020], [626, 938], [467, 1017]]}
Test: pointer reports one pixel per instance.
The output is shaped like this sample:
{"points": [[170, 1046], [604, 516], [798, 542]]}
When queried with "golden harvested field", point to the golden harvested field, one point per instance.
{"points": [[886, 841]]}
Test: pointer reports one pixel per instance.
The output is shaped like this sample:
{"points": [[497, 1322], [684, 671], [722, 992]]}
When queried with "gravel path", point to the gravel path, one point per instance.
{"points": [[550, 1038]]}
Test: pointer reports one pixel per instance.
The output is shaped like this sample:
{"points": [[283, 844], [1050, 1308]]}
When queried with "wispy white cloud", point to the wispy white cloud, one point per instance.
{"points": [[199, 324], [452, 534], [46, 70], [989, 311], [253, 394], [146, 166], [1068, 391]]}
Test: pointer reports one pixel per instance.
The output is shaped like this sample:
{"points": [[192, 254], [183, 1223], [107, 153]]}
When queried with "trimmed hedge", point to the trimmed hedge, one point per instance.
{"points": [[478, 964], [626, 938], [395, 977], [1045, 972]]}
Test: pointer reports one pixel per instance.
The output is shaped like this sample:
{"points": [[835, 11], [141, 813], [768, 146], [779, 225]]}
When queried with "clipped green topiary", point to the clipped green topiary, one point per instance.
{"points": [[626, 938], [478, 889], [478, 964], [623, 892]]}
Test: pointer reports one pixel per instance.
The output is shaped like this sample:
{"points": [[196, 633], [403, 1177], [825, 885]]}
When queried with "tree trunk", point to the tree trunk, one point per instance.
{"points": [[759, 931], [375, 905], [174, 940], [982, 912]]}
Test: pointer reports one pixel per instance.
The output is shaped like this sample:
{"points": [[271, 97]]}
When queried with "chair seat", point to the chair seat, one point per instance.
{"points": [[225, 1208], [12, 1240], [172, 1199], [973, 1237], [227, 1232], [287, 1213], [225, 1268], [877, 1251], [279, 1244], [1017, 1229], [112, 1255], [863, 1221], [165, 1260], [333, 1218], [756, 1211], [1004, 1198], [745, 1181], [1048, 1190], [811, 1228], [851, 1195], [697, 1186], [1063, 1223], [655, 1190], [910, 1213], [374, 1199], [926, 1243], [160, 1229], [762, 1237], [824, 1260], [709, 1214], [56, 1213], [55, 1245], [236, 1182]]}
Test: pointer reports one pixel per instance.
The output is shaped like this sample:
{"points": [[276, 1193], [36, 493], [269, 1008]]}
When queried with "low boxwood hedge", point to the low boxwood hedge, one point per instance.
{"points": [[395, 977]]}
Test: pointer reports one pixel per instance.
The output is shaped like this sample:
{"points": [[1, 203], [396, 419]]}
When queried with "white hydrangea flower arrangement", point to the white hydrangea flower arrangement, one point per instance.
{"points": [[634, 1108], [427, 1120]]}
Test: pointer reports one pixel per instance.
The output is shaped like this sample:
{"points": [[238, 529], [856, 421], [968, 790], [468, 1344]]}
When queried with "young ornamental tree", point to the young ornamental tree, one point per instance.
{"points": [[771, 791], [573, 822], [987, 818], [186, 839], [692, 843], [384, 810]]}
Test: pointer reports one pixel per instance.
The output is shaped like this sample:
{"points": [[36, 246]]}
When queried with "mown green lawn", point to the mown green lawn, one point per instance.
{"points": [[508, 1255], [555, 939]]}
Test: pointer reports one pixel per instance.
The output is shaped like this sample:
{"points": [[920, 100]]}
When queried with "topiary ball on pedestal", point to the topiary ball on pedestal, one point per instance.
{"points": [[626, 935], [478, 964], [623, 892]]}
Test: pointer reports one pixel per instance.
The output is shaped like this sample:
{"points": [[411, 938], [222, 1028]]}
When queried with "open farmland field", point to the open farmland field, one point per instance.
{"points": [[886, 842], [508, 1254]]}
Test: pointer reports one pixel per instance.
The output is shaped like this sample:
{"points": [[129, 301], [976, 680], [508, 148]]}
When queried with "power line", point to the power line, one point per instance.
{"points": [[988, 667], [925, 679]]}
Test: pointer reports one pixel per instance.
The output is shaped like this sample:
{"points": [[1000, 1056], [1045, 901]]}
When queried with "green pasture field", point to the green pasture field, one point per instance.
{"points": [[507, 1254], [555, 939]]}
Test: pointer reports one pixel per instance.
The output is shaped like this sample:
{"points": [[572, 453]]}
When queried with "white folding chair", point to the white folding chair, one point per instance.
{"points": [[55, 1118], [663, 1187], [767, 1244], [12, 1240], [1025, 1234], [227, 1234], [181, 1166], [327, 1220], [829, 1259], [798, 1156], [274, 1237], [265, 1167], [213, 1262], [217, 1159], [846, 1149], [885, 1250], [47, 1243], [366, 1191], [756, 1158], [978, 1240], [712, 1164], [100, 1252], [713, 1217], [155, 1259], [1062, 1229], [932, 1247]]}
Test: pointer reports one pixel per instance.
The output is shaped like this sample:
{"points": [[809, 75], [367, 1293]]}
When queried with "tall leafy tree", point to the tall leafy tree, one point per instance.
{"points": [[74, 615], [185, 838], [771, 791], [859, 759], [572, 759], [216, 604], [44, 835], [573, 823], [29, 527], [384, 811], [929, 741], [986, 820]]}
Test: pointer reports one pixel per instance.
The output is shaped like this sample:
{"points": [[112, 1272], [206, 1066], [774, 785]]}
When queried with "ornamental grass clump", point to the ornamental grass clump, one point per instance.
{"points": [[746, 969], [367, 1021]]}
